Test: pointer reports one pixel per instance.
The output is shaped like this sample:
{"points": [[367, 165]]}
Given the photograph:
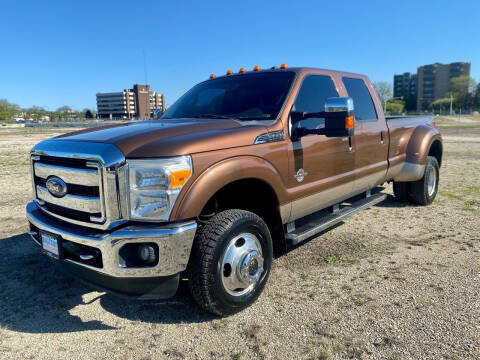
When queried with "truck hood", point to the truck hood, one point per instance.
{"points": [[160, 138]]}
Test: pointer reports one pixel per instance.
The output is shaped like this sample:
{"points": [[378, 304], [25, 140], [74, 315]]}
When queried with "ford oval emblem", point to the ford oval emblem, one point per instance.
{"points": [[56, 186]]}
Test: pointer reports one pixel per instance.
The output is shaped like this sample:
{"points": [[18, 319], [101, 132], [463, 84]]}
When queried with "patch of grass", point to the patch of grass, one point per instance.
{"points": [[323, 355], [359, 302], [450, 194], [303, 276], [237, 356], [471, 205], [332, 259]]}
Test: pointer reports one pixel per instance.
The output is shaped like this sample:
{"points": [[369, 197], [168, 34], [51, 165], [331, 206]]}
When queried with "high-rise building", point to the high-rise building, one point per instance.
{"points": [[405, 85], [434, 81], [139, 102]]}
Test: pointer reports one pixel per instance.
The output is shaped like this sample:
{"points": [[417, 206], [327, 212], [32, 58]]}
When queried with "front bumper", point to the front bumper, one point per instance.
{"points": [[174, 243]]}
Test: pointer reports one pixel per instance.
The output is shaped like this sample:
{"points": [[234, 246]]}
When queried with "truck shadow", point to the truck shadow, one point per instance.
{"points": [[391, 202], [36, 296]]}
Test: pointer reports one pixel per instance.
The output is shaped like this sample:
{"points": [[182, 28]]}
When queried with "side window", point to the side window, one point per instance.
{"points": [[364, 109], [315, 89]]}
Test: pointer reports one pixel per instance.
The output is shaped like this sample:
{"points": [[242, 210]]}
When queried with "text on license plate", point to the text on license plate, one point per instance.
{"points": [[50, 243]]}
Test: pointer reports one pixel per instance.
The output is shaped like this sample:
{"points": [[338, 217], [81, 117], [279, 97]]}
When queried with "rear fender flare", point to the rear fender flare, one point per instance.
{"points": [[419, 144], [417, 152]]}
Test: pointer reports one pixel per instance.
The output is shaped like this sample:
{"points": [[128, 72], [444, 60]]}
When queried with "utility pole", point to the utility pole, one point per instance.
{"points": [[451, 102]]}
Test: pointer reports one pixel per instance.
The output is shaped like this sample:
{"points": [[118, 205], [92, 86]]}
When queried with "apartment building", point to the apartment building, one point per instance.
{"points": [[405, 85], [139, 102], [433, 81]]}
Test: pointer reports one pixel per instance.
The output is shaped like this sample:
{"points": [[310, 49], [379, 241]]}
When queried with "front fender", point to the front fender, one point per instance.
{"points": [[221, 174]]}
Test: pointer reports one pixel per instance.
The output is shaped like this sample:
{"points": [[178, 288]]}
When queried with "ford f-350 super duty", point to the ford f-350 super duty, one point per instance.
{"points": [[239, 168]]}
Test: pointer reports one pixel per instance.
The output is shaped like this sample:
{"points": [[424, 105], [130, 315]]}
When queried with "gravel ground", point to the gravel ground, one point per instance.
{"points": [[393, 282]]}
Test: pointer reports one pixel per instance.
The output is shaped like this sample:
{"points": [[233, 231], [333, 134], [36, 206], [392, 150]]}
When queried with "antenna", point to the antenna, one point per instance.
{"points": [[147, 98], [145, 66]]}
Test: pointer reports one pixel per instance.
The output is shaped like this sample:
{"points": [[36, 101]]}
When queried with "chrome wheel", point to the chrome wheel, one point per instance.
{"points": [[242, 264], [431, 180]]}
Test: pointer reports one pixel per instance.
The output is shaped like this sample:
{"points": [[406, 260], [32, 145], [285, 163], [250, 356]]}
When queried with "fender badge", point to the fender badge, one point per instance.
{"points": [[300, 175]]}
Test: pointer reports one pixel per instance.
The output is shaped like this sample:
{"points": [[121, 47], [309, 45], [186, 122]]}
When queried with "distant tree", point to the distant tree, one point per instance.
{"points": [[63, 109], [8, 110], [439, 104], [35, 112], [395, 106], [88, 114], [476, 98], [462, 89], [384, 90]]}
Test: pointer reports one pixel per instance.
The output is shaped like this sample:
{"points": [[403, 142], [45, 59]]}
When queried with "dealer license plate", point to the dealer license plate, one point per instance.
{"points": [[50, 245]]}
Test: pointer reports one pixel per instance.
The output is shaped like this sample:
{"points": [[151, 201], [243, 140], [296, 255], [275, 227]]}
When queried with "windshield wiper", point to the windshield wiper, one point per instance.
{"points": [[210, 116]]}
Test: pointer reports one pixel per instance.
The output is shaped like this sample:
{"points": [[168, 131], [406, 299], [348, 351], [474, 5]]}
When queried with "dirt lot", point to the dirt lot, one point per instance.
{"points": [[394, 282]]}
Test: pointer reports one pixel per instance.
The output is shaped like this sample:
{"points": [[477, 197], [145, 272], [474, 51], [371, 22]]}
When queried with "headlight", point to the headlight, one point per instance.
{"points": [[154, 185]]}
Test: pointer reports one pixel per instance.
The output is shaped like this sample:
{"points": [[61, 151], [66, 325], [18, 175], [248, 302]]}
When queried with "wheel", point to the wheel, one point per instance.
{"points": [[424, 190], [401, 190], [230, 262]]}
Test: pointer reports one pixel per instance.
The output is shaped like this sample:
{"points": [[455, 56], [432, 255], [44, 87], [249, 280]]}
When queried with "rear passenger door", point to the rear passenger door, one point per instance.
{"points": [[371, 136]]}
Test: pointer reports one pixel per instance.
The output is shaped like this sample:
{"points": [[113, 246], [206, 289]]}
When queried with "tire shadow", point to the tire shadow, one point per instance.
{"points": [[36, 296]]}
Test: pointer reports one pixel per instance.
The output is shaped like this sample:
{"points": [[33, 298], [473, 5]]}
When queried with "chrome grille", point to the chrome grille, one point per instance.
{"points": [[94, 178], [84, 201]]}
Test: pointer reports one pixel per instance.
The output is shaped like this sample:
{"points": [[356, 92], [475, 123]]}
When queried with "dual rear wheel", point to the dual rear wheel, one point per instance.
{"points": [[422, 191]]}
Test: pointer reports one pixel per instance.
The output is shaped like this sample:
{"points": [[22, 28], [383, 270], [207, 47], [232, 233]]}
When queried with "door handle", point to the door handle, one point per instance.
{"points": [[381, 137]]}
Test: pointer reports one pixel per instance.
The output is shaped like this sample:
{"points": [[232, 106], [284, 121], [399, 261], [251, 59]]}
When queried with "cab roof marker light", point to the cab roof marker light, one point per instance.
{"points": [[229, 72], [212, 76], [242, 70], [283, 66], [256, 68]]}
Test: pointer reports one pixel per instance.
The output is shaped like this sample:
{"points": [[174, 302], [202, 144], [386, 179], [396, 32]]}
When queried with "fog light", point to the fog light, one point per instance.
{"points": [[146, 253]]}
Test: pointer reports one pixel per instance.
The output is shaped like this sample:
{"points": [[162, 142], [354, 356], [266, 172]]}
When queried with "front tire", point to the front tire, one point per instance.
{"points": [[230, 262]]}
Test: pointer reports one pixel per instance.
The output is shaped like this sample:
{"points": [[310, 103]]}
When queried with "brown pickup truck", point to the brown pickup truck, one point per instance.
{"points": [[239, 168]]}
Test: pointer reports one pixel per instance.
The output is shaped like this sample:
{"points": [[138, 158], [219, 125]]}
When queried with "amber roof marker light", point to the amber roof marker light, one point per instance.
{"points": [[256, 68], [212, 76], [229, 72], [242, 70], [283, 66]]}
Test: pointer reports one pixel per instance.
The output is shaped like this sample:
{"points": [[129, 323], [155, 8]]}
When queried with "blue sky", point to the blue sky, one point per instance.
{"points": [[56, 53]]}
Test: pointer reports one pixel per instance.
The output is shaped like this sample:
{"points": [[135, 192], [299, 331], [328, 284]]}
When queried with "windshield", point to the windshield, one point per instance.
{"points": [[257, 96]]}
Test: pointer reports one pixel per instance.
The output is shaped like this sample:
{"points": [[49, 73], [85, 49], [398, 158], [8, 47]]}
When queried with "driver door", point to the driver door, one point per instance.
{"points": [[321, 168]]}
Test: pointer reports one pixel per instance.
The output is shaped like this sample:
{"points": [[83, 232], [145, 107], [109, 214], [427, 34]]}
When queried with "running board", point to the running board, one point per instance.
{"points": [[321, 223]]}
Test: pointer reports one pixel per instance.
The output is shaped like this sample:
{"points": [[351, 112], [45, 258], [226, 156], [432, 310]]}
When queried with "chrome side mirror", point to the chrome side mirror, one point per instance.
{"points": [[340, 120]]}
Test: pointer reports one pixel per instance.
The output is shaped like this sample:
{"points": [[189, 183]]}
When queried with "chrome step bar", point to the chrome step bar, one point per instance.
{"points": [[321, 223]]}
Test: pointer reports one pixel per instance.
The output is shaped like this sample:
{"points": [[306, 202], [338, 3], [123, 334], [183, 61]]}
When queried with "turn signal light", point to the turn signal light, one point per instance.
{"points": [[179, 178], [256, 68], [283, 66], [229, 72], [242, 70], [212, 76], [349, 122]]}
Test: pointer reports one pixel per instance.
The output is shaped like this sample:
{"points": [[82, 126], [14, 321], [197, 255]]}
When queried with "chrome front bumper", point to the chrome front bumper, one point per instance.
{"points": [[174, 243]]}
